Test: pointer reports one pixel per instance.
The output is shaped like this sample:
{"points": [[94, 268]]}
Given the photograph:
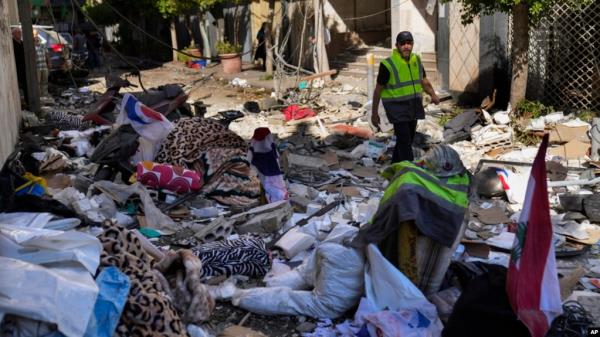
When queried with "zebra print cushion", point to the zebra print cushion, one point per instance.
{"points": [[65, 121], [246, 256]]}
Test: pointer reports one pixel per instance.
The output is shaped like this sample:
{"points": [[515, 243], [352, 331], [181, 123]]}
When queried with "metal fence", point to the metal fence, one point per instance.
{"points": [[564, 59]]}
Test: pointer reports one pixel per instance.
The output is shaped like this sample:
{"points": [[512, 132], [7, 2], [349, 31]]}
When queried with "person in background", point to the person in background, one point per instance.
{"points": [[19, 52], [79, 45], [42, 63], [261, 50], [400, 84], [93, 44]]}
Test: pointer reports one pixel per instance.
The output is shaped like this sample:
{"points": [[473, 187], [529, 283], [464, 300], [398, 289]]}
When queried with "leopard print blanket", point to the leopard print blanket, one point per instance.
{"points": [[218, 154], [148, 311]]}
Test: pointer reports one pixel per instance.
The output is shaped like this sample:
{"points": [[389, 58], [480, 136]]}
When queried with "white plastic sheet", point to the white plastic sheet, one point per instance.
{"points": [[26, 219], [43, 246], [64, 296], [38, 220]]}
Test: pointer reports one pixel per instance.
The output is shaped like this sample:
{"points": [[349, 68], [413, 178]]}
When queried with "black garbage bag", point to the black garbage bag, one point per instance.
{"points": [[483, 309]]}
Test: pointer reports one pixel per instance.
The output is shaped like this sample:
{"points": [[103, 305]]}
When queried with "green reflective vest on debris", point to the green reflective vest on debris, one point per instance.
{"points": [[405, 80], [451, 192]]}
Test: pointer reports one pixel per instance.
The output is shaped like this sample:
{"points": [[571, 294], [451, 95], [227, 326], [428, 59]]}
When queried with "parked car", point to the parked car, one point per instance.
{"points": [[59, 51], [69, 38]]}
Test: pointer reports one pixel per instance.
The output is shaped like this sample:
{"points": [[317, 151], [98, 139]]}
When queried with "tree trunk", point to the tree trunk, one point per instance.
{"points": [[236, 25], [32, 87], [321, 63], [206, 52], [520, 46], [174, 39], [269, 59]]}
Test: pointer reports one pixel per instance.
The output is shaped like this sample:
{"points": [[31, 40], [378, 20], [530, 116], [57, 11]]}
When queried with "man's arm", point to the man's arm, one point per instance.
{"points": [[375, 108], [429, 90]]}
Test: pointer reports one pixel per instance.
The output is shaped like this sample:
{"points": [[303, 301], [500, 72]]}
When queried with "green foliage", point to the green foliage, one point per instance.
{"points": [[100, 13], [446, 117], [537, 8], [225, 47], [587, 115], [533, 109], [170, 8]]}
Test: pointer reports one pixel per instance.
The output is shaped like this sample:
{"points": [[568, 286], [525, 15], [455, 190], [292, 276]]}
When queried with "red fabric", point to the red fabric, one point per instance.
{"points": [[344, 129], [261, 133], [294, 112], [532, 282], [172, 178]]}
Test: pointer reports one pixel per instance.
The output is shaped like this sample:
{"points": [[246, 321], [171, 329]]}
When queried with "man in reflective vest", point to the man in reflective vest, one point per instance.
{"points": [[400, 85]]}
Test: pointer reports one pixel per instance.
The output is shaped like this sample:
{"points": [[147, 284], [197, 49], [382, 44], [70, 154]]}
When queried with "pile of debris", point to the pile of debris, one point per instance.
{"points": [[162, 210]]}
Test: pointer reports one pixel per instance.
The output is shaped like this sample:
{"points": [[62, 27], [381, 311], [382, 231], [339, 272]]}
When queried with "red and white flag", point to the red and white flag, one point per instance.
{"points": [[532, 281]]}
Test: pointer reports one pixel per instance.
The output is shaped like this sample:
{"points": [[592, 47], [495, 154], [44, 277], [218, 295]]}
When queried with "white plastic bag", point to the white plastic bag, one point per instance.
{"points": [[394, 305], [386, 286], [64, 296]]}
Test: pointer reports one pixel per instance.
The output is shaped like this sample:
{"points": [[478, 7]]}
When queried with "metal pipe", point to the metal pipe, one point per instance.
{"points": [[370, 74], [574, 182]]}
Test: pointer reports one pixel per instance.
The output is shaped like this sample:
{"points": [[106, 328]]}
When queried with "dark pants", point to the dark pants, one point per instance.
{"points": [[405, 134]]}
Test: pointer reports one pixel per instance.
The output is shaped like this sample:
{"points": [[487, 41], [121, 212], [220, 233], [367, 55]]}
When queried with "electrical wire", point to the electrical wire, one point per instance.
{"points": [[50, 9], [165, 44], [137, 70], [375, 14]]}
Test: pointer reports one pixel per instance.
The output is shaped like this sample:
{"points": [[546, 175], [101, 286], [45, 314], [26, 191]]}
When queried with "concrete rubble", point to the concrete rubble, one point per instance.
{"points": [[332, 165]]}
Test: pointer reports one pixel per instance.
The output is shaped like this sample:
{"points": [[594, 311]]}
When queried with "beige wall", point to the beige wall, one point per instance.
{"points": [[13, 12], [464, 53], [9, 93], [411, 15], [259, 13]]}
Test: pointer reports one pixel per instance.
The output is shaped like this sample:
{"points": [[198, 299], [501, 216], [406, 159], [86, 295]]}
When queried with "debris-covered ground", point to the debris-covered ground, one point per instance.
{"points": [[205, 243]]}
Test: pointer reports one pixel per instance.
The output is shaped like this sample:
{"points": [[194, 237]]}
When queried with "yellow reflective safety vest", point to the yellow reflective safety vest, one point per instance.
{"points": [[405, 82]]}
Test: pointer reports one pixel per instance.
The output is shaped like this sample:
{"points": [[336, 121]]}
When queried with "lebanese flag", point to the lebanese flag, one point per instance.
{"points": [[147, 122], [532, 281]]}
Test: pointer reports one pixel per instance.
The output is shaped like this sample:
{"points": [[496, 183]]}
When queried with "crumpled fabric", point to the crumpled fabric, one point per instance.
{"points": [[459, 127], [148, 311], [294, 112], [170, 177]]}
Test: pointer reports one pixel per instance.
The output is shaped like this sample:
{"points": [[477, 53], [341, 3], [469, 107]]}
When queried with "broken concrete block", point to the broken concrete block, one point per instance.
{"points": [[351, 191], [218, 229], [303, 191], [306, 161], [300, 203], [267, 103], [264, 219], [294, 242], [331, 158], [276, 120]]}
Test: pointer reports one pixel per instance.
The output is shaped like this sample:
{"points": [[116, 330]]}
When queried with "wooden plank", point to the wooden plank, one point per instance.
{"points": [[315, 76]]}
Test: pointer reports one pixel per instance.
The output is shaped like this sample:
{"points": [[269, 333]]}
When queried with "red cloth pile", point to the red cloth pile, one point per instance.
{"points": [[294, 112], [343, 129]]}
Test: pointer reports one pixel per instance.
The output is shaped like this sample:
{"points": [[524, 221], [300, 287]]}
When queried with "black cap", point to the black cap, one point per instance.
{"points": [[404, 36]]}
